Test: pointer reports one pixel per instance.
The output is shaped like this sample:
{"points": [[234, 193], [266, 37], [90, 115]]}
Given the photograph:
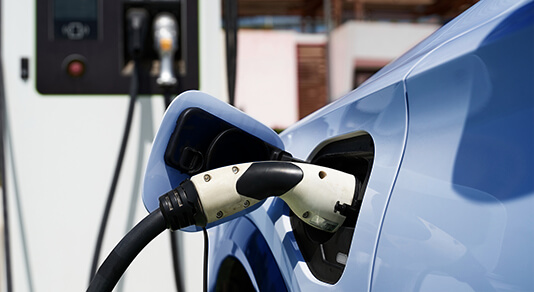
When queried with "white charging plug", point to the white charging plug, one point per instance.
{"points": [[311, 191]]}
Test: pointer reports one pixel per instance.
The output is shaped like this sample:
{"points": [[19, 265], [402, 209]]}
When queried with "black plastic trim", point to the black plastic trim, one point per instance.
{"points": [[264, 179], [181, 207], [203, 141]]}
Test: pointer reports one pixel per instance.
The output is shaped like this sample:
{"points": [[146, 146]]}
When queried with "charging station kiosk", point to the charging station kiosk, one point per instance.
{"points": [[66, 77], [81, 47]]}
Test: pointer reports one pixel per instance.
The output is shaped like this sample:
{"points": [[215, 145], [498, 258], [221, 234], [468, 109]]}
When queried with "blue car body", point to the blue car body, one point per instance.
{"points": [[449, 188]]}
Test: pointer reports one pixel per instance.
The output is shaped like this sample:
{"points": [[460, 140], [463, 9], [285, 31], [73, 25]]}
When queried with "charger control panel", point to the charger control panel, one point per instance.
{"points": [[81, 47]]}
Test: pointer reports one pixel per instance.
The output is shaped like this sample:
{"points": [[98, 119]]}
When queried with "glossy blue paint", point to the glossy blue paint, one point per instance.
{"points": [[460, 215], [383, 115], [448, 205], [242, 240]]}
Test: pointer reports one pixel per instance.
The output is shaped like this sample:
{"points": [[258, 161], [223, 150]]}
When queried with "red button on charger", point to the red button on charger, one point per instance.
{"points": [[75, 68]]}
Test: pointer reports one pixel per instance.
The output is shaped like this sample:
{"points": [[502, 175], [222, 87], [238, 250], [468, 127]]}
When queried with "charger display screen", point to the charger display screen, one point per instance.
{"points": [[75, 19]]}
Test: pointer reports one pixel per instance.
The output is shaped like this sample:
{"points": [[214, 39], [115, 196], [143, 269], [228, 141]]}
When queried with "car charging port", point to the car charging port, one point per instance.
{"points": [[326, 253]]}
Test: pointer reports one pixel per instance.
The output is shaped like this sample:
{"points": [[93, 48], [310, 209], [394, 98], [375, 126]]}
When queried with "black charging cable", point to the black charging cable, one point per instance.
{"points": [[137, 22], [116, 174], [5, 211], [178, 208], [126, 250], [231, 27], [175, 254], [167, 98], [206, 253]]}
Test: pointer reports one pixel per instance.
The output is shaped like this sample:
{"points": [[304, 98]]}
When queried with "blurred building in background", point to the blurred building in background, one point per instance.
{"points": [[295, 56]]}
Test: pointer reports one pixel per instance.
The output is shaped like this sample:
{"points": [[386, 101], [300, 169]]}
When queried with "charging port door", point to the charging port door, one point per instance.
{"points": [[198, 133]]}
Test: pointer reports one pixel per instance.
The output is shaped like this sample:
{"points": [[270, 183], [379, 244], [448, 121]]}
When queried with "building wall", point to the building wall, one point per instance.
{"points": [[312, 78], [267, 66], [266, 85], [378, 42], [267, 76]]}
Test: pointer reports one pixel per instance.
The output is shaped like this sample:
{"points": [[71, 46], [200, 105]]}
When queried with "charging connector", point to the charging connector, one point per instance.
{"points": [[137, 27], [166, 44], [314, 193]]}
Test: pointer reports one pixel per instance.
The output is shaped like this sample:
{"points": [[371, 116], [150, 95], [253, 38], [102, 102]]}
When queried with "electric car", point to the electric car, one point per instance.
{"points": [[442, 141]]}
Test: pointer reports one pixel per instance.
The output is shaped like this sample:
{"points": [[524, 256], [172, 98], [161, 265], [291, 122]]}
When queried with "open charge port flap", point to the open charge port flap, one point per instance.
{"points": [[218, 144]]}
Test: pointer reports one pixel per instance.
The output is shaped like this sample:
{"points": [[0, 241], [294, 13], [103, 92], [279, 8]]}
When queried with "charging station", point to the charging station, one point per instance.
{"points": [[81, 47], [67, 74]]}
